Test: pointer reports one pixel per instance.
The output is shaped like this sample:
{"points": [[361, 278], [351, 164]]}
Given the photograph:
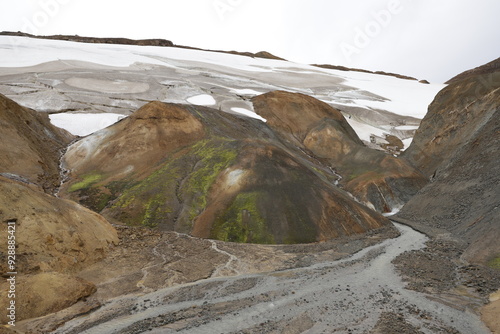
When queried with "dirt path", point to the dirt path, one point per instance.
{"points": [[346, 296]]}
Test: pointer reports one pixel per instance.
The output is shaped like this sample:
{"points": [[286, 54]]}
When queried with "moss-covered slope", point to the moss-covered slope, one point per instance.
{"points": [[215, 176]]}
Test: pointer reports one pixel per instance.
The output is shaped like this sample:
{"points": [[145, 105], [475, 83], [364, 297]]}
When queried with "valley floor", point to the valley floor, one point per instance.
{"points": [[297, 291]]}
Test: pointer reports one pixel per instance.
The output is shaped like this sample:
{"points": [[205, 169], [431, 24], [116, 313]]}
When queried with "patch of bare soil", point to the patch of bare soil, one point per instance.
{"points": [[489, 313]]}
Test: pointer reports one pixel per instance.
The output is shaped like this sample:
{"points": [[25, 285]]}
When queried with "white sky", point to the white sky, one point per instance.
{"points": [[428, 39]]}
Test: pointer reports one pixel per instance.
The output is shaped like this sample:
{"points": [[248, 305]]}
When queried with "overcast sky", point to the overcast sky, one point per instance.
{"points": [[428, 39]]}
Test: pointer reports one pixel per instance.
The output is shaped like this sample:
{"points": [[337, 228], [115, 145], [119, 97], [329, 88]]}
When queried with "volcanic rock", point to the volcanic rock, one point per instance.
{"points": [[488, 68], [133, 144]]}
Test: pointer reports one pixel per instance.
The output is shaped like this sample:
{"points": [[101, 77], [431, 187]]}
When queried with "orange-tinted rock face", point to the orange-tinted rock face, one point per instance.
{"points": [[293, 115], [58, 235]]}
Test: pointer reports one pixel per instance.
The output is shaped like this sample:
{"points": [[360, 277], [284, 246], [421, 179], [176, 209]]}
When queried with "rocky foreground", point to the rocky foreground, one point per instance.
{"points": [[277, 289]]}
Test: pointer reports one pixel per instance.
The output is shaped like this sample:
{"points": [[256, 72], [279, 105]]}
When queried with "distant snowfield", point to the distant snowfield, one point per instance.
{"points": [[235, 78], [23, 52], [84, 124]]}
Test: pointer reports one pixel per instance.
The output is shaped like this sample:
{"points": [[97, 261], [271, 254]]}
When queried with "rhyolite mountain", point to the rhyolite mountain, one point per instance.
{"points": [[458, 147], [210, 174]]}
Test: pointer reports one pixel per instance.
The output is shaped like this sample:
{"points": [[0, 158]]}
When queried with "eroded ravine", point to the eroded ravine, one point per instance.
{"points": [[348, 296]]}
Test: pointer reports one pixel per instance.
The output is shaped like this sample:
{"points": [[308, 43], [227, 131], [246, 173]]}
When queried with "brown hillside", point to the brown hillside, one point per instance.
{"points": [[30, 146], [491, 67], [54, 239], [216, 175]]}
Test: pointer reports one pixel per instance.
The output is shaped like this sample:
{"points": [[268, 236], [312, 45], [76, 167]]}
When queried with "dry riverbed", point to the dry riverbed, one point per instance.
{"points": [[187, 285]]}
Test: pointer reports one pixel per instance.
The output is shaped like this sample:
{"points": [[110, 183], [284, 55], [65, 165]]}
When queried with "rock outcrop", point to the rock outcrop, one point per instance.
{"points": [[30, 146], [375, 178], [210, 174], [343, 68], [458, 145]]}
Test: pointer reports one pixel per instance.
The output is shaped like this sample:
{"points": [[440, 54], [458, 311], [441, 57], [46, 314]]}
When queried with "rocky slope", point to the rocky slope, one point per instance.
{"points": [[377, 179], [199, 171], [457, 146], [30, 146]]}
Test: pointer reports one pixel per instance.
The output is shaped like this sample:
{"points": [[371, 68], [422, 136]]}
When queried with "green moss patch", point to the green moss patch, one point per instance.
{"points": [[87, 181], [494, 263], [212, 158], [150, 201], [177, 192], [242, 222]]}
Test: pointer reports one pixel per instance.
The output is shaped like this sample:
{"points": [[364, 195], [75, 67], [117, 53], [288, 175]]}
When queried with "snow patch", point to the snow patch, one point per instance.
{"points": [[407, 142], [364, 131], [393, 212], [406, 127], [84, 124], [202, 100], [234, 176], [248, 113], [246, 92]]}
